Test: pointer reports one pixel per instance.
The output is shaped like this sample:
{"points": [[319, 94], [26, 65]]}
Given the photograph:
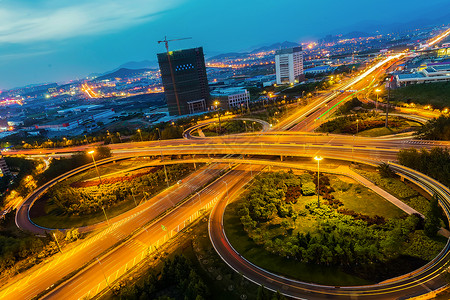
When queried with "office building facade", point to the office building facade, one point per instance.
{"points": [[289, 65], [183, 73], [231, 98]]}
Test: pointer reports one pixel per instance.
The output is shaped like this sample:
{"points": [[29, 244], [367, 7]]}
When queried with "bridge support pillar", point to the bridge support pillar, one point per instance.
{"points": [[402, 179], [281, 157]]}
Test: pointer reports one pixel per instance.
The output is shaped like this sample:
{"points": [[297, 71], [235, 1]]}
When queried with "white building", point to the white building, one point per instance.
{"points": [[231, 97], [431, 73], [289, 65]]}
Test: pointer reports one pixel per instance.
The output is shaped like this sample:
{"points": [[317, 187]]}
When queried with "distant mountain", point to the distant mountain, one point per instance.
{"points": [[122, 73], [276, 46], [231, 55], [356, 34], [144, 64], [234, 55]]}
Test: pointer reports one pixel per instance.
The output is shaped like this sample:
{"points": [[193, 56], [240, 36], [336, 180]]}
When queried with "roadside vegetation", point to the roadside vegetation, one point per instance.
{"points": [[231, 127], [282, 219], [434, 162], [20, 250], [434, 94], [78, 203], [435, 129], [363, 124]]}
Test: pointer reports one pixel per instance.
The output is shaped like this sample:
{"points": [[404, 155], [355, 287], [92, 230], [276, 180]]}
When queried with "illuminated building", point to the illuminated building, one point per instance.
{"points": [[186, 68], [289, 65], [231, 97], [4, 170]]}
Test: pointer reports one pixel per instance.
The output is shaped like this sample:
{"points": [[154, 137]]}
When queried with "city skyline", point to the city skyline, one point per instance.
{"points": [[51, 41]]}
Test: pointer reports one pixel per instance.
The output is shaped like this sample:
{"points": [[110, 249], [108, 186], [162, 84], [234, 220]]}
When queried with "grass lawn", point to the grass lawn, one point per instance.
{"points": [[354, 197], [277, 264], [399, 189], [381, 131], [363, 200]]}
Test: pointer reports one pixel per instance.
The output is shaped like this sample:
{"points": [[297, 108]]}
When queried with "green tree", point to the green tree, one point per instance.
{"points": [[262, 293], [309, 188], [385, 170], [432, 221], [278, 296]]}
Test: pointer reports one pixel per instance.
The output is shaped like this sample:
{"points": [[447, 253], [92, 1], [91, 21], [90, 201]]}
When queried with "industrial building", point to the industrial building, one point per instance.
{"points": [[289, 65], [183, 74], [432, 72], [231, 97]]}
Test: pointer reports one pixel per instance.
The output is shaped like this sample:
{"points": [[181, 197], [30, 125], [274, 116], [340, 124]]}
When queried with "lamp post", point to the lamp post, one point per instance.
{"points": [[140, 134], [376, 103], [106, 217], [162, 157], [95, 164], [226, 184], [57, 243], [134, 198], [318, 159], [357, 126]]}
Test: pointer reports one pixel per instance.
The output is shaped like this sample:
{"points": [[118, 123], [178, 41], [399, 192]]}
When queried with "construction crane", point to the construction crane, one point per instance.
{"points": [[166, 43]]}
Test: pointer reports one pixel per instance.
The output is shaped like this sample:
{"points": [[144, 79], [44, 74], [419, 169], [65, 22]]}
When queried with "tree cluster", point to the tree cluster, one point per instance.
{"points": [[353, 124], [178, 280], [436, 129], [19, 251], [435, 162], [343, 237]]}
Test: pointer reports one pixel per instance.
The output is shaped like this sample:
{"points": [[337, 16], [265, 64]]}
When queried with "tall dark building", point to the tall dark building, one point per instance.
{"points": [[191, 83], [4, 170]]}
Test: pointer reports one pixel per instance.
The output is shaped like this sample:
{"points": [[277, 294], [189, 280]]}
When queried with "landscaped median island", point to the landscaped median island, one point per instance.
{"points": [[353, 237], [368, 124], [229, 127], [81, 199]]}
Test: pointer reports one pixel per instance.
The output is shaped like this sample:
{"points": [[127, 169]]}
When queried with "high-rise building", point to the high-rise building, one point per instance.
{"points": [[289, 65], [4, 170], [183, 73]]}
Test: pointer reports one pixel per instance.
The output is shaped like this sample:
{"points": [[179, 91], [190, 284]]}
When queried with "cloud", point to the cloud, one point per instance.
{"points": [[52, 20]]}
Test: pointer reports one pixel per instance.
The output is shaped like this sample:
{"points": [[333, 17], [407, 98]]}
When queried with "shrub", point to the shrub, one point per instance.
{"points": [[309, 188]]}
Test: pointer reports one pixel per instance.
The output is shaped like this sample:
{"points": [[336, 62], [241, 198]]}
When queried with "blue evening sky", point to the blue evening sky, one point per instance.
{"points": [[58, 40]]}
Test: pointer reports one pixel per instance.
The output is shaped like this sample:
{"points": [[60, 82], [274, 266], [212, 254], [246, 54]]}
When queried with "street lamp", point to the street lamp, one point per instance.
{"points": [[95, 164], [226, 184], [318, 159], [162, 157], [357, 126], [140, 134], [106, 217], [376, 103]]}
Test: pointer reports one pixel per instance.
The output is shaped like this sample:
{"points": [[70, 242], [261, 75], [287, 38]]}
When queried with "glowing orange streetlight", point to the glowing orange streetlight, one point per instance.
{"points": [[377, 91], [95, 164], [318, 159]]}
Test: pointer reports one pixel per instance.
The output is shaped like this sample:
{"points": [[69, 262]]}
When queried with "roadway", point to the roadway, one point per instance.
{"points": [[109, 265], [60, 265]]}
